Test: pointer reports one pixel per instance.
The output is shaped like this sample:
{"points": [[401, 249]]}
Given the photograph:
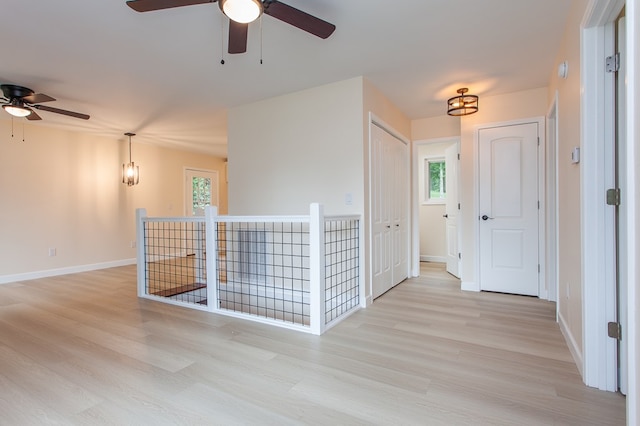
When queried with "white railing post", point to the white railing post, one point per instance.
{"points": [[211, 215], [199, 251], [316, 269], [141, 261]]}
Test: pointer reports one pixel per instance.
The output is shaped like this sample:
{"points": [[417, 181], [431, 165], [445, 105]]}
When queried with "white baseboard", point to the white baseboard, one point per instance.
{"points": [[469, 286], [576, 352], [5, 279], [439, 259]]}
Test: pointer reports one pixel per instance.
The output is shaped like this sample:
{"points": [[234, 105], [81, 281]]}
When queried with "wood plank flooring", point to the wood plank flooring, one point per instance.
{"points": [[82, 349]]}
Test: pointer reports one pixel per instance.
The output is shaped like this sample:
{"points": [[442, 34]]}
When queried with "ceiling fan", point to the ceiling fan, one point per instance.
{"points": [[242, 12], [21, 102]]}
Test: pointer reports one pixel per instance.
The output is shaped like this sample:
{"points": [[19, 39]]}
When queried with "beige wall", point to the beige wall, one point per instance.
{"points": [[569, 241], [443, 126], [63, 190]]}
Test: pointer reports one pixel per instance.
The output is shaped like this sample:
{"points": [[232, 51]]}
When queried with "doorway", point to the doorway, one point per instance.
{"points": [[201, 189], [389, 197], [436, 203]]}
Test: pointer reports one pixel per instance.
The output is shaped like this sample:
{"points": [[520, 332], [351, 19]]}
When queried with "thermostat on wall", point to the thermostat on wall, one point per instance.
{"points": [[575, 155]]}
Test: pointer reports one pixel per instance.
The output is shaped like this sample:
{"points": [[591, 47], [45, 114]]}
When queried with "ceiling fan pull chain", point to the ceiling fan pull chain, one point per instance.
{"points": [[221, 40], [260, 39], [12, 126], [23, 131]]}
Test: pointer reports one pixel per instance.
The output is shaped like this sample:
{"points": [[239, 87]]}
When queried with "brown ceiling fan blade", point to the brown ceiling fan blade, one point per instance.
{"points": [[61, 111], [237, 37], [37, 98], [299, 19], [33, 116], [149, 5]]}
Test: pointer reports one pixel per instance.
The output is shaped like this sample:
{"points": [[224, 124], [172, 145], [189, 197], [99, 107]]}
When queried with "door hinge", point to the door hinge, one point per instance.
{"points": [[458, 206], [612, 63], [459, 255], [458, 156], [613, 196], [538, 140], [538, 268], [538, 205], [614, 330]]}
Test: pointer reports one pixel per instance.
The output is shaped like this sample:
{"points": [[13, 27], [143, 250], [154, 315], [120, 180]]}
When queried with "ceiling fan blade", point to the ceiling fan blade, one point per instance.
{"points": [[61, 111], [149, 5], [237, 37], [37, 98], [298, 18], [33, 116]]}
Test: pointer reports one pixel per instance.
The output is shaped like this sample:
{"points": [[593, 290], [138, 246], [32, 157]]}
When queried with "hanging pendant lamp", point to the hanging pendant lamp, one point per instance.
{"points": [[462, 104], [130, 172]]}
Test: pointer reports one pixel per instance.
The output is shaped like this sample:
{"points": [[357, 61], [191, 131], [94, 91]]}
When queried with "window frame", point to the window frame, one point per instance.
{"points": [[426, 195]]}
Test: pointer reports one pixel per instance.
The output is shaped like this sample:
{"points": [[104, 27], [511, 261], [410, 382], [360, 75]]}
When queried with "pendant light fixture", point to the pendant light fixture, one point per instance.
{"points": [[130, 172], [462, 104], [241, 11]]}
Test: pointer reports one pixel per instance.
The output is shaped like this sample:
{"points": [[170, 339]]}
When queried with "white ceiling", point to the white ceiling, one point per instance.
{"points": [[159, 74]]}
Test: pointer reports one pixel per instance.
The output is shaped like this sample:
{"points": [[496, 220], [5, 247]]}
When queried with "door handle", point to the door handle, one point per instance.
{"points": [[445, 215], [485, 217]]}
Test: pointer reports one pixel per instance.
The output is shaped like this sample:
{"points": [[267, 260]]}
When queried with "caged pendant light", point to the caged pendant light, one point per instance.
{"points": [[130, 172], [462, 104]]}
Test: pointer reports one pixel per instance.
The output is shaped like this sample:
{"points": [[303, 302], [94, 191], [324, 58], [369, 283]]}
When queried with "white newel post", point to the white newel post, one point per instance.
{"points": [[210, 215], [141, 214], [316, 269]]}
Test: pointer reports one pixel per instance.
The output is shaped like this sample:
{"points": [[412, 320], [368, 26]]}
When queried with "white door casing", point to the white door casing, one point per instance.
{"points": [[451, 209], [508, 209]]}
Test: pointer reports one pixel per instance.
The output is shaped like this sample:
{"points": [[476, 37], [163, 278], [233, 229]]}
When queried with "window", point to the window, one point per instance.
{"points": [[435, 180]]}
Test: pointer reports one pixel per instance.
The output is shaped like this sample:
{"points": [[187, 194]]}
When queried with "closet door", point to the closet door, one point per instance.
{"points": [[389, 210], [380, 212]]}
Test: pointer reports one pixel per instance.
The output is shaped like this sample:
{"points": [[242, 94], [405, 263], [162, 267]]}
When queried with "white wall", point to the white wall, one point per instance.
{"points": [[64, 190], [308, 146], [293, 150]]}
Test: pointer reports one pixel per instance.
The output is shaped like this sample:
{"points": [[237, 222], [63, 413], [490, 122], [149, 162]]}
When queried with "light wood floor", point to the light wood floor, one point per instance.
{"points": [[82, 349]]}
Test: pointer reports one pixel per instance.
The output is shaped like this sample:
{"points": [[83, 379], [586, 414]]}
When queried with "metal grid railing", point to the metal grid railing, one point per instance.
{"points": [[342, 266], [263, 269], [175, 259], [299, 272]]}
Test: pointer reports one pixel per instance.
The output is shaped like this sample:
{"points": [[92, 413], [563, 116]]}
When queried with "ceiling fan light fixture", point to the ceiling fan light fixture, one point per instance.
{"points": [[17, 108], [241, 11], [130, 172], [462, 104]]}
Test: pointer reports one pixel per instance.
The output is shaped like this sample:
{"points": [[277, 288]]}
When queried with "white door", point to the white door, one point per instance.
{"points": [[201, 190], [389, 210], [398, 196], [508, 209], [380, 213], [451, 208]]}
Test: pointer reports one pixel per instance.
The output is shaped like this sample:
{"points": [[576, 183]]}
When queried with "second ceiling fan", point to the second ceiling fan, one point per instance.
{"points": [[242, 12]]}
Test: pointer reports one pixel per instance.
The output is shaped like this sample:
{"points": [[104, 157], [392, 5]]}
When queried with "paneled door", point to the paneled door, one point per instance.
{"points": [[389, 210], [508, 209]]}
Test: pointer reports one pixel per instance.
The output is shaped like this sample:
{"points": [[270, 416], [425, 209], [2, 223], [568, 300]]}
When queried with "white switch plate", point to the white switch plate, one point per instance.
{"points": [[348, 198], [575, 155]]}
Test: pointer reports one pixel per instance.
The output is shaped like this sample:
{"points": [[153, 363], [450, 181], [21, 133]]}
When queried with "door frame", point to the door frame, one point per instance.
{"points": [[552, 213], [415, 200], [540, 121], [185, 171]]}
